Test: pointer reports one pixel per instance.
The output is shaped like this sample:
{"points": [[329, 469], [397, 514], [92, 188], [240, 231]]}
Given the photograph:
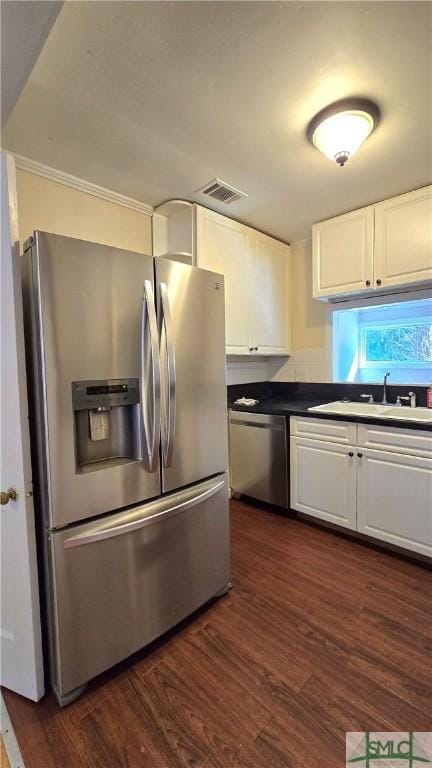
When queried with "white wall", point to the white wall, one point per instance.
{"points": [[54, 207]]}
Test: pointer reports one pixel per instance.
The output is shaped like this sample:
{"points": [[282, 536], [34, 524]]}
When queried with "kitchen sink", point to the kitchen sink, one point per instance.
{"points": [[405, 412], [376, 410]]}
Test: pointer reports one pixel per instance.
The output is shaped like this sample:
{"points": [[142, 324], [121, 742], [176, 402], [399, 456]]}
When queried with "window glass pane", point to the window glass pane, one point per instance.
{"points": [[410, 343]]}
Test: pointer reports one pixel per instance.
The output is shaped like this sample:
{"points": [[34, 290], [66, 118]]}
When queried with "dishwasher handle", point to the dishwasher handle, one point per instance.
{"points": [[259, 424]]}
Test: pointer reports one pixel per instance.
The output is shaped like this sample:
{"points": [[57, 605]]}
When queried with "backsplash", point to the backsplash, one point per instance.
{"points": [[302, 365], [241, 370]]}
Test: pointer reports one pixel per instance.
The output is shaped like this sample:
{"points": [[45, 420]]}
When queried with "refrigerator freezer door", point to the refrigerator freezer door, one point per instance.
{"points": [[121, 581], [92, 320], [193, 389]]}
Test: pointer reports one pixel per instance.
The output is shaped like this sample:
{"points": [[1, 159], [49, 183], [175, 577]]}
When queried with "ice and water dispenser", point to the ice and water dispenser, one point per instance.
{"points": [[107, 423]]}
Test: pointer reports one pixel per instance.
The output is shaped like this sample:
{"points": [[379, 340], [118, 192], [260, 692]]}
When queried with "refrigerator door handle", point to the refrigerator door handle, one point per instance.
{"points": [[150, 360], [168, 422], [100, 532]]}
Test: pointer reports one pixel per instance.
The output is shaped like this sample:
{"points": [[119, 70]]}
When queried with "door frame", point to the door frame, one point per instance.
{"points": [[22, 661]]}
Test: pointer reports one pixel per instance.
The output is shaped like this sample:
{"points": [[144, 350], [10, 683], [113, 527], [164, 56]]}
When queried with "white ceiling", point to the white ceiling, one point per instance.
{"points": [[24, 28], [154, 99]]}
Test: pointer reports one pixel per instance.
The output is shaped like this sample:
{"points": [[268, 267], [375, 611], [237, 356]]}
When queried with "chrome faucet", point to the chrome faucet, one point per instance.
{"points": [[411, 397], [384, 398]]}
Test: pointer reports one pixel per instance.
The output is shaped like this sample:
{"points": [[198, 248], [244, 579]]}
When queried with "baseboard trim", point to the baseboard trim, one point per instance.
{"points": [[11, 745]]}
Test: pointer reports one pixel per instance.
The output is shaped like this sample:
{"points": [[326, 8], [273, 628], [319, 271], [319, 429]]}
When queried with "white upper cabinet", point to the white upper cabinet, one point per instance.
{"points": [[223, 246], [403, 239], [343, 254], [270, 325], [375, 248], [256, 271]]}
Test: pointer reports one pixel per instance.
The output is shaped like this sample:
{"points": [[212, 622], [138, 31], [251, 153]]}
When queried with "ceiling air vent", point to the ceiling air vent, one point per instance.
{"points": [[221, 191]]}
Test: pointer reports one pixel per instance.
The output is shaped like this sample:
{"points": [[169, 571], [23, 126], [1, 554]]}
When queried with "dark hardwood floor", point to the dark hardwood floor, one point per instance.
{"points": [[320, 635]]}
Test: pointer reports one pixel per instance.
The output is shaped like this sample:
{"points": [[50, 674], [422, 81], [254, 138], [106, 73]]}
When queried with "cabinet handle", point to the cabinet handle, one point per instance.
{"points": [[368, 283], [359, 455], [350, 453], [378, 282]]}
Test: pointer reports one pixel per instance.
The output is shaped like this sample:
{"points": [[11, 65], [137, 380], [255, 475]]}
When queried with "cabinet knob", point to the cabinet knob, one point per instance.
{"points": [[251, 349], [350, 453], [378, 282], [256, 349], [359, 455], [7, 496], [368, 283]]}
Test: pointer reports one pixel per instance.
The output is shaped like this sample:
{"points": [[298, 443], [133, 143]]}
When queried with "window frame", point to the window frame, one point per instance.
{"points": [[360, 303]]}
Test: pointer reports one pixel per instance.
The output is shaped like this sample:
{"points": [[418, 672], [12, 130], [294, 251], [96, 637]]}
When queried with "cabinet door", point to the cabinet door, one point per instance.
{"points": [[343, 254], [270, 302], [394, 499], [323, 480], [222, 246], [403, 239]]}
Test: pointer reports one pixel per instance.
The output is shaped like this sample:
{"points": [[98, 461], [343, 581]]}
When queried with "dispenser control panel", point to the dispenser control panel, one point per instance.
{"points": [[92, 395]]}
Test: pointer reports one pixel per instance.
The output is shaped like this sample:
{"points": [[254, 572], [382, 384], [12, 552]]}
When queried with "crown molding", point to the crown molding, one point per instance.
{"points": [[67, 180], [300, 243]]}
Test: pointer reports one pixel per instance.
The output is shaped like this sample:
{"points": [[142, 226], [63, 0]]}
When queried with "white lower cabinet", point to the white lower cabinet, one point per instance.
{"points": [[323, 480], [394, 499], [384, 493]]}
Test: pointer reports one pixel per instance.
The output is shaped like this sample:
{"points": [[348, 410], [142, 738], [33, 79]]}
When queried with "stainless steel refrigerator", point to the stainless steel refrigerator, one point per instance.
{"points": [[127, 372]]}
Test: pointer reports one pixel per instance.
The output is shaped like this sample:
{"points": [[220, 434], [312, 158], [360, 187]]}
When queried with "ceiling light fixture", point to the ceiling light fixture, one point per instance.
{"points": [[340, 129]]}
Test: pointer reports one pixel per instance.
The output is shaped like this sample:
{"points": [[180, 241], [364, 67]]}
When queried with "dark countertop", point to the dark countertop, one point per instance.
{"points": [[278, 406]]}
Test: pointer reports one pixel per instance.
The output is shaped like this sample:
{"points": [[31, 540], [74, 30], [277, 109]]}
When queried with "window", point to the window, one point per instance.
{"points": [[368, 341]]}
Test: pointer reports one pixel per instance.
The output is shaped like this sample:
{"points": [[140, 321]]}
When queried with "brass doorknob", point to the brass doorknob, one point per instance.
{"points": [[10, 495]]}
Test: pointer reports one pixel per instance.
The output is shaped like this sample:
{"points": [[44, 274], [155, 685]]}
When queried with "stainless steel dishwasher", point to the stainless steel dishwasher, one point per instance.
{"points": [[258, 448]]}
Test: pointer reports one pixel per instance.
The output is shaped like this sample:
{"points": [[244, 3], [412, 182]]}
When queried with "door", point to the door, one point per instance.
{"points": [[394, 499], [403, 239], [343, 254], [148, 568], [193, 400], [269, 285], [21, 647], [258, 456], [323, 480], [93, 323], [223, 247]]}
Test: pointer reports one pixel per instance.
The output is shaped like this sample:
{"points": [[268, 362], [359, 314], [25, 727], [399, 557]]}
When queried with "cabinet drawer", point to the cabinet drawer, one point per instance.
{"points": [[342, 432], [407, 441]]}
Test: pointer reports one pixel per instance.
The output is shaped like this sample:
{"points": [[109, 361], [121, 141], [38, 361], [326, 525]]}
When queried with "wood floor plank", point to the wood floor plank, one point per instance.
{"points": [[319, 635], [186, 692], [267, 654], [294, 737], [354, 702]]}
